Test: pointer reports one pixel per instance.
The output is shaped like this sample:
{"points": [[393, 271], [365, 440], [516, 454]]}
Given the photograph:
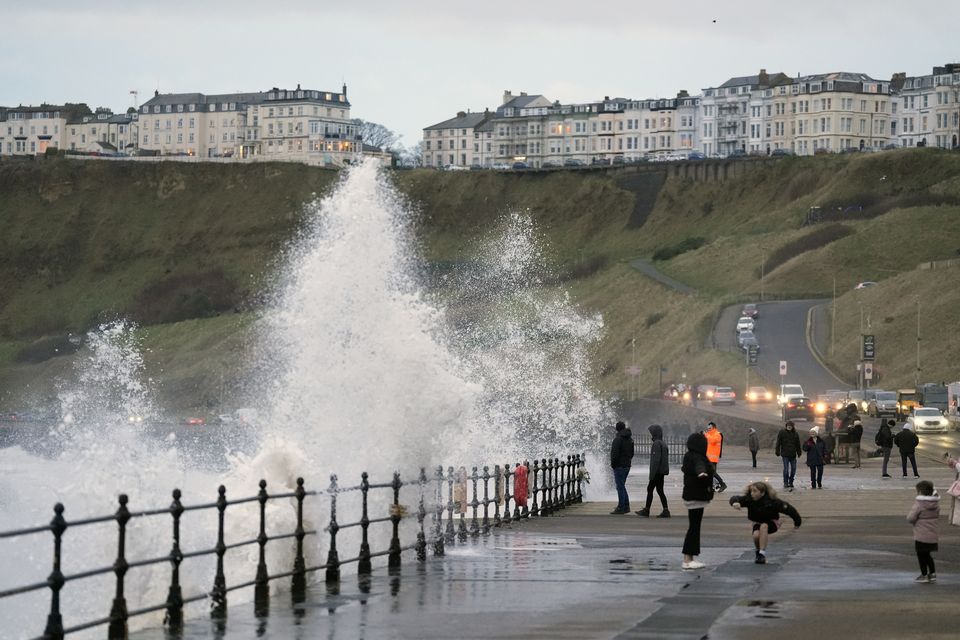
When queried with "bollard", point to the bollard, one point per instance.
{"points": [[174, 615], [393, 558], [534, 508], [486, 500], [298, 584], [333, 558], [451, 533], [54, 628], [364, 567], [496, 495], [218, 597], [421, 517], [438, 517], [474, 523], [261, 590]]}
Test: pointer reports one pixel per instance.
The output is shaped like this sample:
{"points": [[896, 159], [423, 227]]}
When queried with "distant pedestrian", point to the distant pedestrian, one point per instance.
{"points": [[856, 434], [884, 440], [697, 494], [715, 451], [763, 510], [621, 455], [753, 444], [659, 469], [925, 518], [954, 464], [907, 441], [816, 452], [788, 450]]}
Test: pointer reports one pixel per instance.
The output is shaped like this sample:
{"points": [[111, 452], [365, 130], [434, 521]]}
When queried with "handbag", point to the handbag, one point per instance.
{"points": [[954, 489]]}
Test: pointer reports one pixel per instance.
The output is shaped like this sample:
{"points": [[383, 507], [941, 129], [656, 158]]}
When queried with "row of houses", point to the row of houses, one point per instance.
{"points": [[756, 114], [302, 125]]}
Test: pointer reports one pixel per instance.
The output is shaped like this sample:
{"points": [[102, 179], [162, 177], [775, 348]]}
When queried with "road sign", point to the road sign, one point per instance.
{"points": [[869, 348], [868, 371], [752, 355], [783, 367]]}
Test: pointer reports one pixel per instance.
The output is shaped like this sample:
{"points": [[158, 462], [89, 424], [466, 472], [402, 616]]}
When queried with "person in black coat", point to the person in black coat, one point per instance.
{"points": [[659, 469], [816, 450], [907, 441], [697, 493], [621, 456], [788, 450], [855, 435], [884, 440], [763, 510]]}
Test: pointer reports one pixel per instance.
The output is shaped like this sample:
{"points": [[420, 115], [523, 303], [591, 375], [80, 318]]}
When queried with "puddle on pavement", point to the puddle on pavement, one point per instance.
{"points": [[625, 565], [767, 609]]}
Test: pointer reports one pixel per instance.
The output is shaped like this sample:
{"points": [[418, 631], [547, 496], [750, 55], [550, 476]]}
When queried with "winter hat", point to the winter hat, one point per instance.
{"points": [[621, 425], [815, 431], [891, 422], [857, 422], [906, 425]]}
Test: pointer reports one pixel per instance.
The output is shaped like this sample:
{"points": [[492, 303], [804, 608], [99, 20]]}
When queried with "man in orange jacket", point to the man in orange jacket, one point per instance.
{"points": [[715, 451]]}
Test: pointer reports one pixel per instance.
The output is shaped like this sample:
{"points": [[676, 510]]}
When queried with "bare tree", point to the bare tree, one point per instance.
{"points": [[376, 135], [411, 156]]}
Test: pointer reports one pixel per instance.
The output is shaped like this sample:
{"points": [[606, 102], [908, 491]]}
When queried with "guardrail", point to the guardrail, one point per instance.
{"points": [[546, 487]]}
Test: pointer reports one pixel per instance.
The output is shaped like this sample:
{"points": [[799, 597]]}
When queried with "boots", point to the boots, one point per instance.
{"points": [[664, 514], [643, 512]]}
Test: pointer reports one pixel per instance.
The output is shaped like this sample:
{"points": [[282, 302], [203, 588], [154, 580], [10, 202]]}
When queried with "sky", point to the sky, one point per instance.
{"points": [[408, 65]]}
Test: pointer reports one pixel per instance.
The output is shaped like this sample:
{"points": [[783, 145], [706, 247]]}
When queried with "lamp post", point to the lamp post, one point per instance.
{"points": [[763, 259], [916, 376], [833, 316]]}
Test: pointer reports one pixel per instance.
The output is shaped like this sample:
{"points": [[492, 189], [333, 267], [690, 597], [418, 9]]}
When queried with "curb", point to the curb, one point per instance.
{"points": [[812, 347]]}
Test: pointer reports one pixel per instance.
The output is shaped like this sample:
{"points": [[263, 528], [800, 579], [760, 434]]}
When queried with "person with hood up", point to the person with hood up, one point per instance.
{"points": [[621, 455], [884, 440], [763, 510], [855, 435], [907, 441], [925, 518], [697, 493], [659, 469], [788, 450], [753, 444], [816, 450]]}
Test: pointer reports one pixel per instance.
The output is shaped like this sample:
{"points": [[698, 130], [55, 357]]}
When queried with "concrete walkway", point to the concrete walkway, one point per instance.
{"points": [[846, 573], [651, 272]]}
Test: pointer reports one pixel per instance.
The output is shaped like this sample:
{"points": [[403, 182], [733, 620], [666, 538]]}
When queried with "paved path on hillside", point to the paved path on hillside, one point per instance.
{"points": [[650, 271]]}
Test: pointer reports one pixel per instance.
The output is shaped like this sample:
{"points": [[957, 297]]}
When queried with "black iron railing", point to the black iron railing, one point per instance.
{"points": [[546, 486]]}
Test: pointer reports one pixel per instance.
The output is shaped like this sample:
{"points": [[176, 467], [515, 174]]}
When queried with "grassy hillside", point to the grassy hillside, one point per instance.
{"points": [[187, 250]]}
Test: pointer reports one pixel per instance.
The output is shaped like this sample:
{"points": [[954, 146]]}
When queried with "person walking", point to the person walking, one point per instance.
{"points": [[788, 450], [856, 434], [884, 440], [816, 452], [659, 469], [925, 518], [621, 455], [763, 510], [954, 465], [753, 444], [697, 493], [715, 451], [907, 441]]}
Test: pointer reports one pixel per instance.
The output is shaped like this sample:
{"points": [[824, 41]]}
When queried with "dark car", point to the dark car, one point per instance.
{"points": [[750, 311], [781, 152], [799, 408], [573, 162], [600, 161], [737, 153], [520, 165], [696, 155]]}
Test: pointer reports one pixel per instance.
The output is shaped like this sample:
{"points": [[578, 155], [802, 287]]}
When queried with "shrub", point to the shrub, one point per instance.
{"points": [[814, 240], [688, 244], [653, 319]]}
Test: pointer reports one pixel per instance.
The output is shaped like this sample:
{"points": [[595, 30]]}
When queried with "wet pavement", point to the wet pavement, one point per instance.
{"points": [[847, 572]]}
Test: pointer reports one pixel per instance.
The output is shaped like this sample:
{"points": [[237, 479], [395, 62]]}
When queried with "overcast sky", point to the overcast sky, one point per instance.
{"points": [[412, 64]]}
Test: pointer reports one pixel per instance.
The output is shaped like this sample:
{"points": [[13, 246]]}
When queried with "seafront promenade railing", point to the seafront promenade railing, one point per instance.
{"points": [[451, 498]]}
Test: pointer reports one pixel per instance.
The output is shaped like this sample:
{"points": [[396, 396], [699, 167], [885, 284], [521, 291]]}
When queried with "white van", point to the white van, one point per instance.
{"points": [[789, 391]]}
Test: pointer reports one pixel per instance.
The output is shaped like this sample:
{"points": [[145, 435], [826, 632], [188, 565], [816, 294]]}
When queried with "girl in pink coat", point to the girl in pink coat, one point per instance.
{"points": [[925, 518]]}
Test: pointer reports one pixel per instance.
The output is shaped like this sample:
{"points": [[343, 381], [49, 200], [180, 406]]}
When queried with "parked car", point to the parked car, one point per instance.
{"points": [[928, 420], [750, 310], [618, 160], [743, 335], [745, 324], [520, 165], [724, 395], [696, 155], [884, 403], [550, 164], [600, 161], [573, 162], [737, 153], [749, 341], [759, 394], [798, 408], [781, 153], [194, 421], [864, 285], [787, 392], [501, 166]]}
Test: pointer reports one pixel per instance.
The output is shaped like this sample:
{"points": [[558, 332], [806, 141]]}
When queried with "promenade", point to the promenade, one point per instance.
{"points": [[847, 572]]}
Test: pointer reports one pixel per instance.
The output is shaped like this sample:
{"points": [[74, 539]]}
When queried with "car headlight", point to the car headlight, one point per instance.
{"points": [[751, 396], [769, 396], [709, 394], [821, 407]]}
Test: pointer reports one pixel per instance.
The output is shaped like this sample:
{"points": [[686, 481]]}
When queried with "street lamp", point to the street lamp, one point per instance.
{"points": [[763, 259], [916, 376]]}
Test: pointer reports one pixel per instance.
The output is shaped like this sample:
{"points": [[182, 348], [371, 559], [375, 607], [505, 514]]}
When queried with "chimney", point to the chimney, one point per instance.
{"points": [[461, 114], [507, 97], [156, 92], [344, 90], [763, 79]]}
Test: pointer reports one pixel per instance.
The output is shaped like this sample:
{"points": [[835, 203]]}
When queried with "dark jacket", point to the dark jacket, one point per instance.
{"points": [[816, 451], [766, 509], [659, 454], [621, 452], [884, 436], [906, 440], [753, 442], [847, 415], [695, 462], [856, 433], [788, 443]]}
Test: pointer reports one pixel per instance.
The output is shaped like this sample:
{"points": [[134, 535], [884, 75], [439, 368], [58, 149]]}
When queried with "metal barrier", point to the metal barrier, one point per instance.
{"points": [[553, 484]]}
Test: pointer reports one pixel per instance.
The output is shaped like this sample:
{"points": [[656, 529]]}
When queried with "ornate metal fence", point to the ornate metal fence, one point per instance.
{"points": [[551, 485]]}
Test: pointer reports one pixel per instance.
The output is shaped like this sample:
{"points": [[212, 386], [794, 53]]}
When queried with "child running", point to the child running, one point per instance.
{"points": [[763, 510], [925, 518]]}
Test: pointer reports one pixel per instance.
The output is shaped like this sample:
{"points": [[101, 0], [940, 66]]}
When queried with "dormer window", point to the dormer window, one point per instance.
{"points": [[179, 108]]}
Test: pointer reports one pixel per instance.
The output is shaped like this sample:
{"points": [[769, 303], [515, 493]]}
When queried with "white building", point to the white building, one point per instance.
{"points": [[27, 131], [929, 108]]}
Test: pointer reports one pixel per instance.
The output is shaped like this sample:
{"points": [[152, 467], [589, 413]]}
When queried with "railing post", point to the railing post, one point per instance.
{"points": [[118, 612], [393, 559], [561, 487], [421, 517], [438, 532], [174, 615], [571, 472], [507, 517], [54, 628], [261, 590], [516, 503], [474, 523], [497, 493], [298, 584], [333, 558], [534, 507], [218, 597], [451, 533], [462, 504], [582, 464], [486, 500], [364, 567], [555, 485], [546, 508]]}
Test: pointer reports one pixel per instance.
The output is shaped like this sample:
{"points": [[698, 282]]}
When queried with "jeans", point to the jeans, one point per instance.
{"points": [[789, 470], [691, 542], [753, 454], [855, 451], [656, 482], [620, 478], [886, 458], [816, 476], [913, 462]]}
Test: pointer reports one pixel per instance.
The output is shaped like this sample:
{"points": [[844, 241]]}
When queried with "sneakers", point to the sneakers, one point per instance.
{"points": [[886, 475], [643, 512], [932, 577], [664, 514], [618, 512], [760, 559], [922, 578], [693, 564], [723, 487]]}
